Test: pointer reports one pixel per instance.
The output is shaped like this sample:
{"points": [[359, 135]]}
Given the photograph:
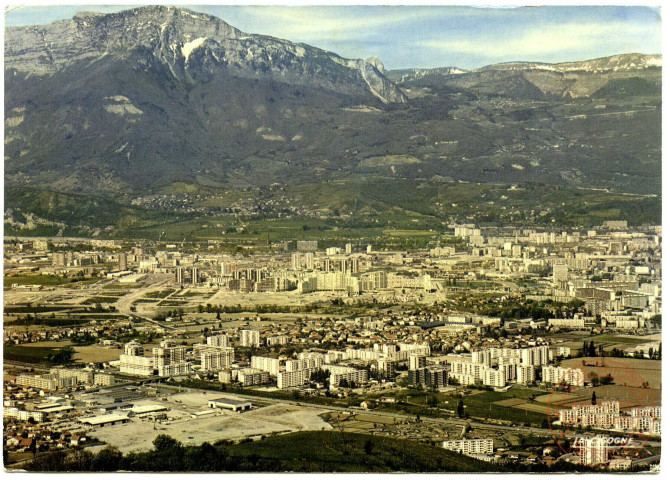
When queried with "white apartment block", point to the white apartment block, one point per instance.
{"points": [[104, 379], [295, 378], [627, 324], [217, 358], [592, 451], [557, 375], [318, 358], [267, 364], [527, 356], [277, 340], [475, 446], [498, 366], [535, 356], [35, 381], [133, 348], [563, 351], [416, 361], [607, 416], [525, 374], [577, 412], [13, 412], [495, 378], [168, 353], [252, 376], [306, 363], [338, 373], [136, 365], [576, 323], [81, 376], [170, 359], [173, 369], [250, 338], [218, 341], [650, 411]]}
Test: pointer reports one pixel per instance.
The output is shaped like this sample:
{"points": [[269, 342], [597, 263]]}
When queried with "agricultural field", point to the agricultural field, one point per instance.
{"points": [[487, 404], [96, 354], [514, 405], [631, 372]]}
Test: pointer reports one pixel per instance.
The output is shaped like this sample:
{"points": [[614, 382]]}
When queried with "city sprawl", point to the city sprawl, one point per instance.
{"points": [[526, 348]]}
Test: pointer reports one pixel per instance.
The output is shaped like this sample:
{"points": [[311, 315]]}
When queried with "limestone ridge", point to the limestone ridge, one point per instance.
{"points": [[194, 47]]}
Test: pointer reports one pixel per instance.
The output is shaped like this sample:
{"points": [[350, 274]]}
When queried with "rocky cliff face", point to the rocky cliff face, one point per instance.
{"points": [[193, 46]]}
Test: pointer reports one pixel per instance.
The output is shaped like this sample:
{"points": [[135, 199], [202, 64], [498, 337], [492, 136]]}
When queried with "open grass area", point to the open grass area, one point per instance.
{"points": [[486, 405], [514, 405], [616, 340]]}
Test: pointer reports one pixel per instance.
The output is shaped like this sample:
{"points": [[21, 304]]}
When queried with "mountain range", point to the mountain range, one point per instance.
{"points": [[132, 102]]}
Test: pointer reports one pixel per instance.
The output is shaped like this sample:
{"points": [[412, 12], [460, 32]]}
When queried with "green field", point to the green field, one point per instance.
{"points": [[615, 340], [483, 405], [480, 404]]}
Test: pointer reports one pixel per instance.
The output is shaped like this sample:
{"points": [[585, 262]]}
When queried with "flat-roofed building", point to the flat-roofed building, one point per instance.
{"points": [[252, 376], [525, 374], [230, 404], [214, 358], [170, 359], [104, 379], [104, 420], [81, 376], [351, 375], [250, 338], [136, 365], [294, 378], [145, 409], [592, 451], [267, 364], [473, 446], [218, 341], [557, 375]]}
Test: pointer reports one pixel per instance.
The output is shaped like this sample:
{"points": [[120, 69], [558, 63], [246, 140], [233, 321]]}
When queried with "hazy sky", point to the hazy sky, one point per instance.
{"points": [[432, 36]]}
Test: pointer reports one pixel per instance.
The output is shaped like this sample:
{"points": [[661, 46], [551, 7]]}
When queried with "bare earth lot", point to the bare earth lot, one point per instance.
{"points": [[222, 425], [625, 371]]}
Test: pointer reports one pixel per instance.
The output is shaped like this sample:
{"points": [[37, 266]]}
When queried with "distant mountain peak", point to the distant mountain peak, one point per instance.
{"points": [[194, 46], [626, 61]]}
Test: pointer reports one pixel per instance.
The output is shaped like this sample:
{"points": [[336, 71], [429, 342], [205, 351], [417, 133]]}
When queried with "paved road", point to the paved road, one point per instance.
{"points": [[124, 304]]}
